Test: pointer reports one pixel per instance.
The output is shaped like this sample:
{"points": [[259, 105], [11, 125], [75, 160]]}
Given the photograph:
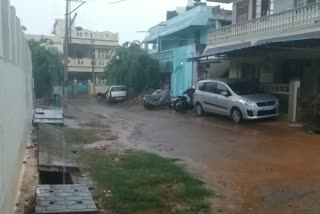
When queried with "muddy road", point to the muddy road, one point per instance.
{"points": [[257, 167]]}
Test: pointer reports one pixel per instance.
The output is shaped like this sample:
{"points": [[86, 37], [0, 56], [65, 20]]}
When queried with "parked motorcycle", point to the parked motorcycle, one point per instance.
{"points": [[101, 97], [185, 102], [159, 98]]}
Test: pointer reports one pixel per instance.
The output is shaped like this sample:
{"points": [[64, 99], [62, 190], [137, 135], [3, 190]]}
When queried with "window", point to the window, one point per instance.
{"points": [[264, 7], [201, 86], [210, 87], [245, 88], [301, 3], [258, 8], [182, 42], [242, 11], [254, 9], [222, 88], [118, 88]]}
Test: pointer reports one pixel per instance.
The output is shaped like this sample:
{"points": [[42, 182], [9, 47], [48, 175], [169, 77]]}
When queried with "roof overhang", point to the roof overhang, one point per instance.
{"points": [[221, 1], [224, 50]]}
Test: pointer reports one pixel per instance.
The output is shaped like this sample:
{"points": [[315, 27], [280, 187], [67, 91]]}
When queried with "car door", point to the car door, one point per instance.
{"points": [[223, 100], [209, 98]]}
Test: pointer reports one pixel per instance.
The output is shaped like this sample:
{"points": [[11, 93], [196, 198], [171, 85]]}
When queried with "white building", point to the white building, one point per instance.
{"points": [[16, 95], [84, 46]]}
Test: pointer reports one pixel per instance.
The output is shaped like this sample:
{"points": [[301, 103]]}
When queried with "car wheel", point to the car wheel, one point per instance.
{"points": [[199, 110], [236, 115]]}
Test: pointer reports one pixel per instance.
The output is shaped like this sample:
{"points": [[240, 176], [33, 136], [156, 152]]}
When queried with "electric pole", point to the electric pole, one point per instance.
{"points": [[93, 62], [68, 30], [66, 51]]}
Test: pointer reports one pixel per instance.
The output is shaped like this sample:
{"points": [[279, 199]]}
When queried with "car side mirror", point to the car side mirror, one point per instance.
{"points": [[224, 93]]}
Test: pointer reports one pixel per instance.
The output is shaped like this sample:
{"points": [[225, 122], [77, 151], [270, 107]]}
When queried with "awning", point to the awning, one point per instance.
{"points": [[216, 51], [304, 36], [198, 16]]}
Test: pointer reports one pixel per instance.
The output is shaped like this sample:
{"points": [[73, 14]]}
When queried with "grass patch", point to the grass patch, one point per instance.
{"points": [[141, 181], [80, 136]]}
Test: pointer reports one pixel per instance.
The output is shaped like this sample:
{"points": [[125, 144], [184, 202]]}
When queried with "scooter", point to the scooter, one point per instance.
{"points": [[159, 98], [185, 102]]}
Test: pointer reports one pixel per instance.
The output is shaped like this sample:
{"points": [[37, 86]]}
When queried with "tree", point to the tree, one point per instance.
{"points": [[133, 67], [47, 67]]}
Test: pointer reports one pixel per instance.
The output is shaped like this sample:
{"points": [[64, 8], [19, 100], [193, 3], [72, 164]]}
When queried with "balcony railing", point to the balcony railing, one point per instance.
{"points": [[276, 88], [85, 62], [290, 19]]}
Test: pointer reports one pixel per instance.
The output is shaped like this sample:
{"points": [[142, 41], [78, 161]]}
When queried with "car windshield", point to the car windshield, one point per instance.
{"points": [[244, 88], [118, 88]]}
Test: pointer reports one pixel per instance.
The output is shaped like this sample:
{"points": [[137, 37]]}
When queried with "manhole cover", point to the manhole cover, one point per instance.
{"points": [[64, 199]]}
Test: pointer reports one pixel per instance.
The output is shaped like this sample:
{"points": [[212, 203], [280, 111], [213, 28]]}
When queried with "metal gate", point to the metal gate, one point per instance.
{"points": [[310, 110], [83, 87]]}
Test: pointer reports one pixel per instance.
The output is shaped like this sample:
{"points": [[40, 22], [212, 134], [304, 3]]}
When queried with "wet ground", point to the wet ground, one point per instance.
{"points": [[256, 167]]}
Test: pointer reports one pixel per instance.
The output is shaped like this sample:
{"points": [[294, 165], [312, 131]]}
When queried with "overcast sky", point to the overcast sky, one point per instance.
{"points": [[126, 17]]}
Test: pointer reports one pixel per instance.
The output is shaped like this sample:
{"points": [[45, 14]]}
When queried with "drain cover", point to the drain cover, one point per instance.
{"points": [[64, 199]]}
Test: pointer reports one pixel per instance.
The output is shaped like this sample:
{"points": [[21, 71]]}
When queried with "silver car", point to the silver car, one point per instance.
{"points": [[236, 99]]}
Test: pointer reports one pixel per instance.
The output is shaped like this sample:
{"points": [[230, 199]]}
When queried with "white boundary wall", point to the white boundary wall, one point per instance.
{"points": [[16, 103]]}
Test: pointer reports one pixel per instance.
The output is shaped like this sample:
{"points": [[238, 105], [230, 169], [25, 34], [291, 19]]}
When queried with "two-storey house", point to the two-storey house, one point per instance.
{"points": [[182, 36], [275, 43]]}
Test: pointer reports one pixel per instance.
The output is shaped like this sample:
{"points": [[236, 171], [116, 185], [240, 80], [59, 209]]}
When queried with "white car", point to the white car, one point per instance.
{"points": [[116, 93]]}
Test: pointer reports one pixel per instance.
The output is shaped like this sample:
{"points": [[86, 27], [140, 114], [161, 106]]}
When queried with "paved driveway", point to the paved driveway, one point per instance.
{"points": [[255, 167]]}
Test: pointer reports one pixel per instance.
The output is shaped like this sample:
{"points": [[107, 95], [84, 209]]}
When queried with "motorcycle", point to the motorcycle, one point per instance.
{"points": [[101, 97], [158, 98], [185, 102]]}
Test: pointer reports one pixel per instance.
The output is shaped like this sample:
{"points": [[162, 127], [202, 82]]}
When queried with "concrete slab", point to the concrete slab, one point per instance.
{"points": [[64, 199], [54, 153], [49, 116]]}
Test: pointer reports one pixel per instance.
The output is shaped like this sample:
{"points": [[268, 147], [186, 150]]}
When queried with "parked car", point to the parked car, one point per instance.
{"points": [[236, 99], [116, 93]]}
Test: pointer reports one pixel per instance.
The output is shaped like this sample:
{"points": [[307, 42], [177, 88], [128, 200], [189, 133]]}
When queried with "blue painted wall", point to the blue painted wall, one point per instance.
{"points": [[182, 75]]}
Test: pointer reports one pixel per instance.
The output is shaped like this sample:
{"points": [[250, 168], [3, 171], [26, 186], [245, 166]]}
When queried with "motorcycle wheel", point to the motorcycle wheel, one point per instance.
{"points": [[177, 105]]}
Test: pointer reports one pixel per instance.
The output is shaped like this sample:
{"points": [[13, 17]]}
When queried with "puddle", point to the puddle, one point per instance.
{"points": [[278, 196]]}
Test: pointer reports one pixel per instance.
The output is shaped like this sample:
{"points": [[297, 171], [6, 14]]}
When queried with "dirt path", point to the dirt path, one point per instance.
{"points": [[257, 167]]}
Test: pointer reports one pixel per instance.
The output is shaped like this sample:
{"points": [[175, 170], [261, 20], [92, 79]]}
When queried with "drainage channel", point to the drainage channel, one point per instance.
{"points": [[58, 191]]}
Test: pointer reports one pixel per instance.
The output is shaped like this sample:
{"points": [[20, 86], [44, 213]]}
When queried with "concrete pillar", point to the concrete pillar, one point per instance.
{"points": [[218, 24], [19, 41], [14, 35], [250, 10], [75, 87], [12, 30], [89, 87], [5, 29], [23, 53], [293, 100], [195, 73], [234, 72], [234, 13]]}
